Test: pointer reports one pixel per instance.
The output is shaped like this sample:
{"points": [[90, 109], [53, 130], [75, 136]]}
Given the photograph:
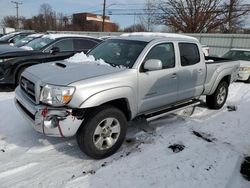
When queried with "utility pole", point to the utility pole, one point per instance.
{"points": [[103, 15], [230, 11], [17, 7]]}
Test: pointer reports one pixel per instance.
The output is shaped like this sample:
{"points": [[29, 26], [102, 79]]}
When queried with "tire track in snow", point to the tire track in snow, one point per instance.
{"points": [[17, 170], [42, 149]]}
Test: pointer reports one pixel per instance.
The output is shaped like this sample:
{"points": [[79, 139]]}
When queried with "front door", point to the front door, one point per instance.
{"points": [[158, 88]]}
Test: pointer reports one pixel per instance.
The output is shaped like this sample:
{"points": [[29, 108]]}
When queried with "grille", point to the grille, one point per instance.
{"points": [[29, 88], [26, 111]]}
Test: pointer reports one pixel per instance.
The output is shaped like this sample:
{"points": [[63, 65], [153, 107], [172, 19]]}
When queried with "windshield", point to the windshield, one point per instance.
{"points": [[24, 41], [39, 43], [119, 52], [7, 37], [238, 55]]}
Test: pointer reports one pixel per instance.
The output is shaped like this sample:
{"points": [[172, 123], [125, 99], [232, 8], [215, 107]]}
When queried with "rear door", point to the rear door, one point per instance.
{"points": [[158, 88], [192, 71]]}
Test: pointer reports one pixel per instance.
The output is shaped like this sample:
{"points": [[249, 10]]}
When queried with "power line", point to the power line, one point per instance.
{"points": [[17, 7]]}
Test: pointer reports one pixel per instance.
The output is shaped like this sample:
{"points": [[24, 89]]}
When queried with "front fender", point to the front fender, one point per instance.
{"points": [[110, 95]]}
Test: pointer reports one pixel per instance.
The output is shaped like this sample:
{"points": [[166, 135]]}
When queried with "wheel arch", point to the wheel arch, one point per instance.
{"points": [[122, 98], [226, 78], [23, 66]]}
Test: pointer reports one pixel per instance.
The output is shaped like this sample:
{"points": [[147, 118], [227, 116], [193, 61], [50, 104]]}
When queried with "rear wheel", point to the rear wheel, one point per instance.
{"points": [[103, 132], [219, 97]]}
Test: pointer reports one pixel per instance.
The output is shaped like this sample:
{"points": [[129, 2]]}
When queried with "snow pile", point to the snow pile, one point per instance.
{"points": [[61, 35], [89, 59], [27, 48], [85, 59], [36, 35]]}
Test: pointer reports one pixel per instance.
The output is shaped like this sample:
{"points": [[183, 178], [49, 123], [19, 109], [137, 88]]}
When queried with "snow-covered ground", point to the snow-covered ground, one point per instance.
{"points": [[29, 159]]}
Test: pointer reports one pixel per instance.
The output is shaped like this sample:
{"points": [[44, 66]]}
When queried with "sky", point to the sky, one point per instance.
{"points": [[30, 8]]}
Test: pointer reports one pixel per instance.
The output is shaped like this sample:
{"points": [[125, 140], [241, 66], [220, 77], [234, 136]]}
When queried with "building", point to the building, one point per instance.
{"points": [[92, 22]]}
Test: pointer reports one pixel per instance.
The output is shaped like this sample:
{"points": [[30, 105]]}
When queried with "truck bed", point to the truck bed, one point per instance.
{"points": [[212, 60], [215, 67]]}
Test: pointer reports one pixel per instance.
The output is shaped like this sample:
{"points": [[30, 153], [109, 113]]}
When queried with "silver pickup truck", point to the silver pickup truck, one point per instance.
{"points": [[148, 76]]}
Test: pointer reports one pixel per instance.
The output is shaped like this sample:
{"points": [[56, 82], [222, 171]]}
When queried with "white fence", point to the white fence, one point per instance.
{"points": [[218, 43]]}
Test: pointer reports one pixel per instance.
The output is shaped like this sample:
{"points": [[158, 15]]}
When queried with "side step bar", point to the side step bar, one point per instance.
{"points": [[172, 109]]}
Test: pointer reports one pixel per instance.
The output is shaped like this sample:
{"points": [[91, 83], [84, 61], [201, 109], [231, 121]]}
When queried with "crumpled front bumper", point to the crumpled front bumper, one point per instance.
{"points": [[57, 122]]}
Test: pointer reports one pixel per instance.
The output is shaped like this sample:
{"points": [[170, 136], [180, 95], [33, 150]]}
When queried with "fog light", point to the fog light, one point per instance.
{"points": [[51, 122]]}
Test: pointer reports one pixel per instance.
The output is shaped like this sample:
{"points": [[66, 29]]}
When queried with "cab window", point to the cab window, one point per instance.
{"points": [[165, 53], [189, 53]]}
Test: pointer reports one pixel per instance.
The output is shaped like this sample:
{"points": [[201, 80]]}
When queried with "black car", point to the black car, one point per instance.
{"points": [[52, 47], [14, 37]]}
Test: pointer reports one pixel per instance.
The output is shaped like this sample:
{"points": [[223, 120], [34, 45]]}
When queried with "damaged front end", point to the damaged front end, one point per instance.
{"points": [[54, 122], [58, 122]]}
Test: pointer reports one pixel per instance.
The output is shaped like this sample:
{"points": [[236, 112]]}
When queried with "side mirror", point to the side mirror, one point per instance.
{"points": [[54, 50], [153, 64], [11, 41]]}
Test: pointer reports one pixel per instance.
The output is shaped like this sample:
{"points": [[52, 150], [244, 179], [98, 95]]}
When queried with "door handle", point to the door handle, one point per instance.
{"points": [[174, 76]]}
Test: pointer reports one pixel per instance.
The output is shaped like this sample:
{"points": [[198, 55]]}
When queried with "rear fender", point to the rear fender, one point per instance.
{"points": [[223, 75]]}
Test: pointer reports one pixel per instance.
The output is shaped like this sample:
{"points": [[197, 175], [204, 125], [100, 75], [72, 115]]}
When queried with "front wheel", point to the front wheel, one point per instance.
{"points": [[219, 97], [248, 80], [102, 132]]}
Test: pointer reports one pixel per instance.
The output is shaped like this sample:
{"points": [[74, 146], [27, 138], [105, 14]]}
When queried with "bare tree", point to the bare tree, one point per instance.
{"points": [[135, 28], [9, 21], [195, 16], [49, 16], [65, 21], [148, 19], [234, 15]]}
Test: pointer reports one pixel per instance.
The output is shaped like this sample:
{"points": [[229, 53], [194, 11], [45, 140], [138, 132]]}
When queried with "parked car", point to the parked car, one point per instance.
{"points": [[28, 39], [14, 37], [244, 56], [205, 50], [48, 48], [146, 76], [1, 35], [7, 51]]}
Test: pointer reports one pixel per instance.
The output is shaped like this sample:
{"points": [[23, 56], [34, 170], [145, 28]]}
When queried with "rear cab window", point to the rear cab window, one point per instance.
{"points": [[189, 53]]}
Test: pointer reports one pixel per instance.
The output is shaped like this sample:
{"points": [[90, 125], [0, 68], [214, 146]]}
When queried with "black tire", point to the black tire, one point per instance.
{"points": [[85, 135], [212, 101], [248, 80]]}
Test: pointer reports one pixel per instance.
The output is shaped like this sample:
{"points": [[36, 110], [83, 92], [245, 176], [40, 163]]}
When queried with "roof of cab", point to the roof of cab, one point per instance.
{"points": [[149, 36]]}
